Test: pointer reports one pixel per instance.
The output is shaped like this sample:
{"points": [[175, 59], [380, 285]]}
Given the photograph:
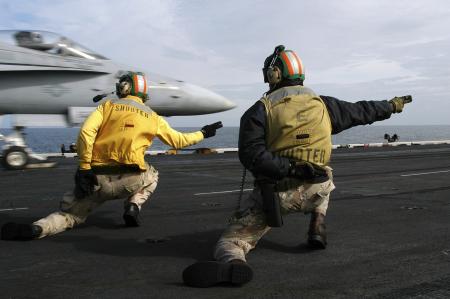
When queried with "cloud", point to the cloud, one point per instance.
{"points": [[350, 47], [363, 71]]}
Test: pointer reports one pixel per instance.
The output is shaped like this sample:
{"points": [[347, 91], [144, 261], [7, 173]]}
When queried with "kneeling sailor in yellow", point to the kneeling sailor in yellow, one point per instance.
{"points": [[111, 147]]}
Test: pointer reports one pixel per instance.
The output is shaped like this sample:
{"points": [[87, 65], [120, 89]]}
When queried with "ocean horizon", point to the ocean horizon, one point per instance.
{"points": [[44, 140]]}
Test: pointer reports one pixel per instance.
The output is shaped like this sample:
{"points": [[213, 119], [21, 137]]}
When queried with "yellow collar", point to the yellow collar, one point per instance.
{"points": [[134, 98]]}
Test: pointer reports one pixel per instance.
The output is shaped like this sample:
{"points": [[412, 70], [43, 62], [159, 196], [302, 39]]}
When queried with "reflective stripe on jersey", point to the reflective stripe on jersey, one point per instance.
{"points": [[132, 103]]}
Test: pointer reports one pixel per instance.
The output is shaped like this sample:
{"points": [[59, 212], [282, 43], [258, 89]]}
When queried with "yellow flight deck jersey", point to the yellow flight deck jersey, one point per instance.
{"points": [[120, 131], [298, 125]]}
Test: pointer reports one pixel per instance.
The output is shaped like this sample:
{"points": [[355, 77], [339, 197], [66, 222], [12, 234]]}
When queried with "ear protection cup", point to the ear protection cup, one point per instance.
{"points": [[123, 88], [273, 75]]}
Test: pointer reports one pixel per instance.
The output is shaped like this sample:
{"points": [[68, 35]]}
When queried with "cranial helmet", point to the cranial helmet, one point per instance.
{"points": [[282, 64], [132, 83]]}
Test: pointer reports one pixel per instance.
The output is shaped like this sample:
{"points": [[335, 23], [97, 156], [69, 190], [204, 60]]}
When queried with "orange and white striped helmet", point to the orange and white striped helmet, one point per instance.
{"points": [[287, 61], [292, 65], [133, 83]]}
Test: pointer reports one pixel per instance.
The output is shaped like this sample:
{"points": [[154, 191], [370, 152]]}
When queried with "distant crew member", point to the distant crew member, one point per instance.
{"points": [[63, 149], [73, 147], [111, 147], [285, 141], [393, 138]]}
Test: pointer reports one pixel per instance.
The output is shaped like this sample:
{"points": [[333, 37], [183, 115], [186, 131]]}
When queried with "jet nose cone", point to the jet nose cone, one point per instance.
{"points": [[207, 100]]}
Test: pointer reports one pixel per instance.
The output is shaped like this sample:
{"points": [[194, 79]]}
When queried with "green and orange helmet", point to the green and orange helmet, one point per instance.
{"points": [[133, 83], [287, 61]]}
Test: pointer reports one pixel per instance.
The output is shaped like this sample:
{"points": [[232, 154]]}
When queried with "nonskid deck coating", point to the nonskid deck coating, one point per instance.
{"points": [[388, 226]]}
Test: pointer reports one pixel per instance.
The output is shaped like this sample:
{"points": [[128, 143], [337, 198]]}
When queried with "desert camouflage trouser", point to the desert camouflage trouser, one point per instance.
{"points": [[136, 187], [248, 224]]}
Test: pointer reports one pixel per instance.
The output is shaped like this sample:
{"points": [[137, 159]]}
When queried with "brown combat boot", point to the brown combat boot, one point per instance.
{"points": [[317, 234]]}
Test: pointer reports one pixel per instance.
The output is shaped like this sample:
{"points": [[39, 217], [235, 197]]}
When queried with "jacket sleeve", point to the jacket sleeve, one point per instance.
{"points": [[86, 137], [253, 152], [174, 138], [345, 115]]}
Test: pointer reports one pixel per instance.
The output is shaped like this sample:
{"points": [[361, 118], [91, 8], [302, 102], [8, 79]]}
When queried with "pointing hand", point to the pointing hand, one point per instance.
{"points": [[399, 102], [210, 130]]}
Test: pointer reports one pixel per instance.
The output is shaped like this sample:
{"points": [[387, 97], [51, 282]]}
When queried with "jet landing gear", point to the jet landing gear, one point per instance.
{"points": [[15, 154], [14, 158]]}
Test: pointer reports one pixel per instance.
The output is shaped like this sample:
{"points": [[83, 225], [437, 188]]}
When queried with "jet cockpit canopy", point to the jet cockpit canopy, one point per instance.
{"points": [[48, 42]]}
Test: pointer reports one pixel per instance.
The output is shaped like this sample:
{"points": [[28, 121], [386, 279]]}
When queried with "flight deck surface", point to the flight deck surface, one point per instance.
{"points": [[388, 233]]}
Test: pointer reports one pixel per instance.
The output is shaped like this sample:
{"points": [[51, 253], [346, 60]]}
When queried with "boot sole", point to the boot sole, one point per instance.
{"points": [[14, 231], [317, 242], [206, 274], [130, 221]]}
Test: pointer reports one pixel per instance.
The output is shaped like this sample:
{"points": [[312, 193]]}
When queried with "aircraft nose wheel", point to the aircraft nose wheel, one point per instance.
{"points": [[14, 158]]}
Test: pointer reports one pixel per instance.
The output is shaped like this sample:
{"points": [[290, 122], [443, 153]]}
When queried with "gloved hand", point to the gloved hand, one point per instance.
{"points": [[85, 180], [398, 103], [308, 172], [210, 130]]}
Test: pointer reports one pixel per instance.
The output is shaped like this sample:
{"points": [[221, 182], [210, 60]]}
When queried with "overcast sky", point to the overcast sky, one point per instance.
{"points": [[353, 50]]}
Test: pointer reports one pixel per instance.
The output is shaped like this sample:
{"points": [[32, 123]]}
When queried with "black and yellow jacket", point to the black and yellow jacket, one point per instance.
{"points": [[120, 131], [254, 150]]}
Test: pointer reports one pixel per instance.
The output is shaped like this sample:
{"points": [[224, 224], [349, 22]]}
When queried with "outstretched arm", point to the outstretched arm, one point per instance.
{"points": [[174, 138], [345, 115]]}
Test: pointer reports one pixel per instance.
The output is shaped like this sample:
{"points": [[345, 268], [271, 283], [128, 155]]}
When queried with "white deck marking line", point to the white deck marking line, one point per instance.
{"points": [[424, 173], [13, 209], [233, 191], [220, 192]]}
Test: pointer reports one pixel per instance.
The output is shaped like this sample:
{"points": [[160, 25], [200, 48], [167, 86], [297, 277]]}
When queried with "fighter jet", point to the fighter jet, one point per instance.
{"points": [[45, 73]]}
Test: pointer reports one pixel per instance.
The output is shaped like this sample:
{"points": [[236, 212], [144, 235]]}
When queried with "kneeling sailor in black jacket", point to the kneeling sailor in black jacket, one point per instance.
{"points": [[285, 141]]}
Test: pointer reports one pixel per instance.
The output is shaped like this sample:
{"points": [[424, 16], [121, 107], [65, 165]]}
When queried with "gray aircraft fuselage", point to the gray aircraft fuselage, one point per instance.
{"points": [[45, 73]]}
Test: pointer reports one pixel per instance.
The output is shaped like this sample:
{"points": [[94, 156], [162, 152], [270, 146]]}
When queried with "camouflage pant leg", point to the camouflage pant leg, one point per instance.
{"points": [[136, 186], [307, 198], [248, 225], [324, 192], [145, 191], [73, 212]]}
